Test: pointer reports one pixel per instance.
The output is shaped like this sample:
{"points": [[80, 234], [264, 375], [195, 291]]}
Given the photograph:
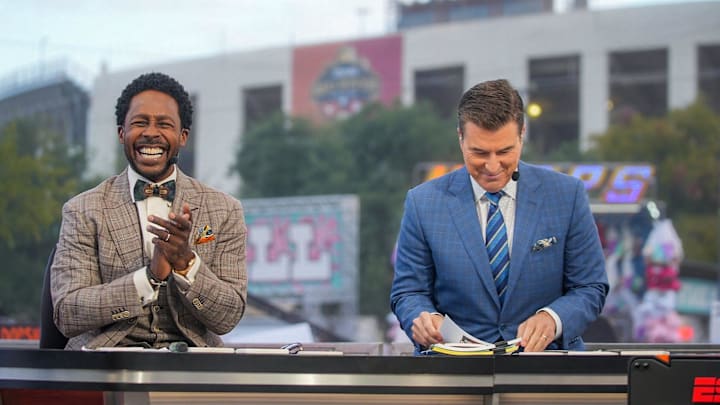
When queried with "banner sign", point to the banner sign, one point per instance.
{"points": [[303, 245], [606, 183], [334, 81]]}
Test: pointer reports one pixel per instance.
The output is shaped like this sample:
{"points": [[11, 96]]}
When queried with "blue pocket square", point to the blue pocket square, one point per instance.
{"points": [[544, 243]]}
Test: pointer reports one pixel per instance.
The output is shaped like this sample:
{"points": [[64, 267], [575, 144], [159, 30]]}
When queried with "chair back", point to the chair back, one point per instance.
{"points": [[50, 336]]}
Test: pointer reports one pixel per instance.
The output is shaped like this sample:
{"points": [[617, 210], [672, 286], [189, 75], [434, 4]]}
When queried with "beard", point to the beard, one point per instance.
{"points": [[151, 172]]}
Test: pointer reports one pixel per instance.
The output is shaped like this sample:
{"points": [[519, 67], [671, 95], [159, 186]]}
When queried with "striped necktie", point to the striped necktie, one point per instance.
{"points": [[496, 244]]}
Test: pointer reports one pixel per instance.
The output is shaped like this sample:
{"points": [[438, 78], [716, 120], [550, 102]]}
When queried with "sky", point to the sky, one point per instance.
{"points": [[89, 34]]}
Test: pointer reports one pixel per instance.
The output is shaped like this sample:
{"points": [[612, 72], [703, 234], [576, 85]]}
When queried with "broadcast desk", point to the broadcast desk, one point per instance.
{"points": [[201, 378]]}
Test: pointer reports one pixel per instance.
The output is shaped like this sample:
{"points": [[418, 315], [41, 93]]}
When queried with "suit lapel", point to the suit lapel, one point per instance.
{"points": [[186, 193], [123, 223], [526, 214], [464, 214]]}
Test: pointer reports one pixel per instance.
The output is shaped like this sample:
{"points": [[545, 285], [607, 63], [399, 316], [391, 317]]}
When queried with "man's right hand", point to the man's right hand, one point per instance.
{"points": [[426, 329], [159, 265]]}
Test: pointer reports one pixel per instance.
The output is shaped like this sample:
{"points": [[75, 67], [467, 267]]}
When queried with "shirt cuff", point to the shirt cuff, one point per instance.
{"points": [[556, 318], [145, 290]]}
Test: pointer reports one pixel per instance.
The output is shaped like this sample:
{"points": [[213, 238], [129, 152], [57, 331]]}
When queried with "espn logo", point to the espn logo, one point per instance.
{"points": [[706, 390]]}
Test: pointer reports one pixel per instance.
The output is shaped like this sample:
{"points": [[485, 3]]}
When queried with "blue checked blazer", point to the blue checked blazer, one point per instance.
{"points": [[442, 265]]}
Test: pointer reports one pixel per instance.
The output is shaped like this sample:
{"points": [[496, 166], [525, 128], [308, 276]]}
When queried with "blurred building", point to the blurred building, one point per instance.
{"points": [[580, 70], [422, 13], [54, 95]]}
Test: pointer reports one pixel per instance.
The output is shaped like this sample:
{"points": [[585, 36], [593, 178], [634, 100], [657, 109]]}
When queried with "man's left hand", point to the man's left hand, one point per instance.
{"points": [[172, 241], [537, 332]]}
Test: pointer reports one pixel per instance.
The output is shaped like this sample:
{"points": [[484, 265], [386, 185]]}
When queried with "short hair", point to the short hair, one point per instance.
{"points": [[159, 82], [490, 105]]}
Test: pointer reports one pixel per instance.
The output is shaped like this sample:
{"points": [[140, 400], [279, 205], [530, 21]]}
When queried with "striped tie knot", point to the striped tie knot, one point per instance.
{"points": [[496, 244], [494, 198]]}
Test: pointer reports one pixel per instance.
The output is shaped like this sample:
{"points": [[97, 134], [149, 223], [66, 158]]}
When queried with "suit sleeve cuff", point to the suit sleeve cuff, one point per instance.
{"points": [[145, 290], [556, 318], [186, 281]]}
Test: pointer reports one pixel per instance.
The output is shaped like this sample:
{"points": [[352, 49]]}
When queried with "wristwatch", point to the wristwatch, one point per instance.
{"points": [[187, 268], [154, 281]]}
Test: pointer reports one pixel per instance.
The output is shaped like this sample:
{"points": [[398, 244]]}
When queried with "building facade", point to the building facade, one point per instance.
{"points": [[584, 69], [53, 95]]}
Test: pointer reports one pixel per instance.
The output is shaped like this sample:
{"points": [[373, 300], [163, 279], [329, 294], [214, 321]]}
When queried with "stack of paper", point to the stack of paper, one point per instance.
{"points": [[460, 343], [473, 349]]}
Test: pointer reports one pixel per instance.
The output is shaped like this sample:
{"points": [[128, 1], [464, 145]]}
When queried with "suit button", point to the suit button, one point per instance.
{"points": [[156, 308], [132, 321], [197, 303]]}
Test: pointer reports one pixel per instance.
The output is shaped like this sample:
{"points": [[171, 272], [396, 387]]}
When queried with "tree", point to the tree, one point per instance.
{"points": [[684, 146], [290, 157], [40, 172], [371, 154], [386, 144]]}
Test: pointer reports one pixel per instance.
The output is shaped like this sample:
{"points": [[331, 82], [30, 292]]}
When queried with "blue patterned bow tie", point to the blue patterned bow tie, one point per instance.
{"points": [[144, 190]]}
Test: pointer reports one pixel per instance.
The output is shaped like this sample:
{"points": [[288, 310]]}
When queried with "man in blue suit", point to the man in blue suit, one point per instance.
{"points": [[550, 282]]}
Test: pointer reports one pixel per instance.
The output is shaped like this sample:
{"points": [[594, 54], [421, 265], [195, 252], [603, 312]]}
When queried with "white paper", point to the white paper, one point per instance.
{"points": [[452, 333]]}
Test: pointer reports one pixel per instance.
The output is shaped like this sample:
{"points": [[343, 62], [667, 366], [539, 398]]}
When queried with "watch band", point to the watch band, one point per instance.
{"points": [[187, 268], [154, 281]]}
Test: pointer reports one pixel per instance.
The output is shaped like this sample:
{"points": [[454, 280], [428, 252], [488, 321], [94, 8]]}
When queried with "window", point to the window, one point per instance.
{"points": [[260, 104], [709, 75], [638, 84], [411, 19], [516, 7], [442, 88], [459, 12], [555, 93]]}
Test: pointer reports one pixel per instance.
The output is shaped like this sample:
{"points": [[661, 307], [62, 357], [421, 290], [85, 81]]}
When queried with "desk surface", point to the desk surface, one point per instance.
{"points": [[205, 372]]}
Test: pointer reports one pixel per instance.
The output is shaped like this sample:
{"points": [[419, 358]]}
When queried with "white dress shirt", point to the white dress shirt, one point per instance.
{"points": [[158, 207], [507, 205]]}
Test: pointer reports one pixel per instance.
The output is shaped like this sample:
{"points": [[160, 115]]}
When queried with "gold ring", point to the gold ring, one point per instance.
{"points": [[167, 238]]}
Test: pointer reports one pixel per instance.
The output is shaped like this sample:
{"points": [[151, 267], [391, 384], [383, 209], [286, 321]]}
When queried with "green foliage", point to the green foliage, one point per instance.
{"points": [[371, 154], [386, 144], [40, 172], [291, 157], [566, 152], [699, 234], [685, 149], [37, 180]]}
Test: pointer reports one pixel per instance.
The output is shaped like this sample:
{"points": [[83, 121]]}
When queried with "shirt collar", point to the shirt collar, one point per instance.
{"points": [[134, 176], [510, 189]]}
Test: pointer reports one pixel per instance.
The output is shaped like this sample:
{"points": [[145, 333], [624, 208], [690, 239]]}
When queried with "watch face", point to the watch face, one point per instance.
{"points": [[187, 268]]}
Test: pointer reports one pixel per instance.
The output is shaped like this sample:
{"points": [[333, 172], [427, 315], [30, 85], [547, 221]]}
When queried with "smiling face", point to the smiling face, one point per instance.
{"points": [[491, 156], [151, 134]]}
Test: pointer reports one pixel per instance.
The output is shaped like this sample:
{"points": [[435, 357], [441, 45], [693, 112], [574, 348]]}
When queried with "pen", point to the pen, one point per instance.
{"points": [[504, 346], [506, 343], [293, 348]]}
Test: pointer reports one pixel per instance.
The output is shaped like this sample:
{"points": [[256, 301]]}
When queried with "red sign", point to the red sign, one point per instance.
{"points": [[334, 81], [706, 390], [20, 332]]}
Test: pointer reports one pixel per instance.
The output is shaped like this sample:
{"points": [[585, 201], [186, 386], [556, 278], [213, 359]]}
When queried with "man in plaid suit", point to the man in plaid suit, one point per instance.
{"points": [[150, 256]]}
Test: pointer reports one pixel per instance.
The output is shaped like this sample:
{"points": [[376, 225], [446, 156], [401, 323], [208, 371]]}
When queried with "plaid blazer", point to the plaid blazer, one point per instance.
{"points": [[100, 246]]}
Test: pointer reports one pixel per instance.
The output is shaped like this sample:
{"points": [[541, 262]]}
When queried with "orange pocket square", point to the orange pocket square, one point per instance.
{"points": [[205, 235]]}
